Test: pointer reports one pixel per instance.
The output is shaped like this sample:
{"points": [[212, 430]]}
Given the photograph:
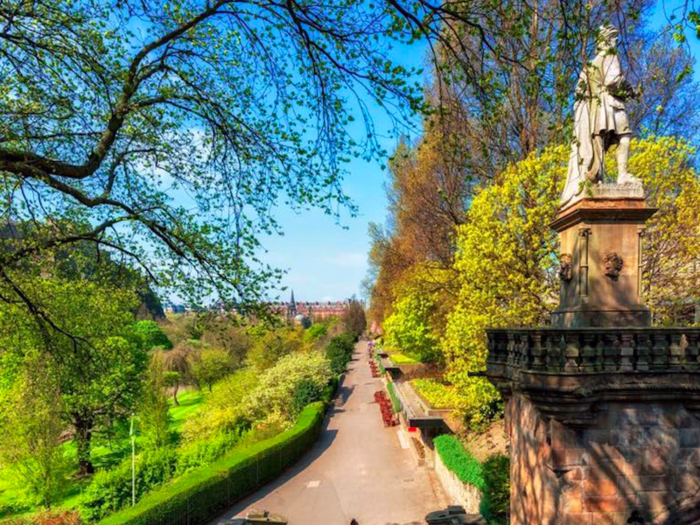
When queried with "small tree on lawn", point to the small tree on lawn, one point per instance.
{"points": [[210, 365]]}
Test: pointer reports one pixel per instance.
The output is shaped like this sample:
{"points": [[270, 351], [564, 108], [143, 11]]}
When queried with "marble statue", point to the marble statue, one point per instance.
{"points": [[600, 120]]}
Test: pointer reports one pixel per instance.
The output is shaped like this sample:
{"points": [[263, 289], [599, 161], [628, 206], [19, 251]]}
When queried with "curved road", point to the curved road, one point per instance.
{"points": [[357, 469]]}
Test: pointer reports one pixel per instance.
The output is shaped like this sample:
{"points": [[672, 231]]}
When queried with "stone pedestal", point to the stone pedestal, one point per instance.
{"points": [[601, 251], [602, 410]]}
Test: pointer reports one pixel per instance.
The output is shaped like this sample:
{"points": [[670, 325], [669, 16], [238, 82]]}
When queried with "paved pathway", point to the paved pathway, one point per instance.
{"points": [[357, 469]]}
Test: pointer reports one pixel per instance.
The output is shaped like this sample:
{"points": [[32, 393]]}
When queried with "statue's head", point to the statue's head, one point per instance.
{"points": [[607, 38]]}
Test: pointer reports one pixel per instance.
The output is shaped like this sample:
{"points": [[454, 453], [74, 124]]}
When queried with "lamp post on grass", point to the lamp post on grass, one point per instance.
{"points": [[132, 435]]}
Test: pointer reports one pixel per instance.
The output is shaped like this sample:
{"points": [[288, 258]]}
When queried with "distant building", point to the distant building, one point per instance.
{"points": [[312, 310]]}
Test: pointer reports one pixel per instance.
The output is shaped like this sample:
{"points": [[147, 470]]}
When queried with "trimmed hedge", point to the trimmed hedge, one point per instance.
{"points": [[382, 370], [394, 398], [458, 460], [339, 351], [202, 495], [329, 392]]}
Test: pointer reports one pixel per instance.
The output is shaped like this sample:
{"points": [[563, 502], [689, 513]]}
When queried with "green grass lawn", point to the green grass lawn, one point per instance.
{"points": [[104, 455], [403, 359], [189, 400]]}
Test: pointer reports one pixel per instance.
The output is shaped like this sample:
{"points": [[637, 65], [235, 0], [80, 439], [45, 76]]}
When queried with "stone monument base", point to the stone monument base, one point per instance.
{"points": [[601, 240]]}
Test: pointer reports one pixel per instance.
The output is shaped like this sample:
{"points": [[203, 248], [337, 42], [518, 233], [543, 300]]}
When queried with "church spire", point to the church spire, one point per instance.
{"points": [[292, 309]]}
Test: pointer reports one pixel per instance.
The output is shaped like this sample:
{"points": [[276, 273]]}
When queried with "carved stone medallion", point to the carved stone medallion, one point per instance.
{"points": [[613, 265], [565, 270]]}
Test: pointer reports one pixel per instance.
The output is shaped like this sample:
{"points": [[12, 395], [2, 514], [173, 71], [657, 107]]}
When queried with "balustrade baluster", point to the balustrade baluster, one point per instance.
{"points": [[554, 353], [511, 348], [626, 352], [643, 352], [572, 352], [492, 357], [691, 350], [589, 353], [610, 351], [675, 352], [659, 351], [537, 351]]}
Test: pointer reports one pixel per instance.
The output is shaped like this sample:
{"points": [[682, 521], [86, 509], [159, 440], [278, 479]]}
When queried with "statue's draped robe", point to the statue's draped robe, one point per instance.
{"points": [[596, 112]]}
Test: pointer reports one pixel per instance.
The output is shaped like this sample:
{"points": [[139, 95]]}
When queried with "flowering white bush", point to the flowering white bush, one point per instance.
{"points": [[276, 388]]}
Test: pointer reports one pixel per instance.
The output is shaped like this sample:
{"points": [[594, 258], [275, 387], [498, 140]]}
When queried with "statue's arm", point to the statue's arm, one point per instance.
{"points": [[615, 81]]}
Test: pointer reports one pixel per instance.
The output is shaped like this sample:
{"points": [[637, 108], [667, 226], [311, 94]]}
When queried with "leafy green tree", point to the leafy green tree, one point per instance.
{"points": [[315, 332], [209, 365], [153, 416], [414, 325], [152, 335], [176, 364], [223, 410], [226, 332], [185, 102], [339, 351], [96, 357], [31, 418], [274, 345], [354, 319], [506, 257]]}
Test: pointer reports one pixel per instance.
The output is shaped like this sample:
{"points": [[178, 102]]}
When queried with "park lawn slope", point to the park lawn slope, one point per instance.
{"points": [[201, 495]]}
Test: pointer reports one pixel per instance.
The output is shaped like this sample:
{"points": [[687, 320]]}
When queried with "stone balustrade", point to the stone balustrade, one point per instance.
{"points": [[594, 350]]}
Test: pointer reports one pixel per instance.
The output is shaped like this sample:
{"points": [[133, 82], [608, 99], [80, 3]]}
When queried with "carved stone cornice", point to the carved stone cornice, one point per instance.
{"points": [[569, 373]]}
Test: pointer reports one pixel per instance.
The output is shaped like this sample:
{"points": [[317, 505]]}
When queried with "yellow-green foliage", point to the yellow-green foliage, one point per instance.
{"points": [[402, 359], [672, 237], [437, 394], [222, 409], [273, 345], [414, 324], [505, 255]]}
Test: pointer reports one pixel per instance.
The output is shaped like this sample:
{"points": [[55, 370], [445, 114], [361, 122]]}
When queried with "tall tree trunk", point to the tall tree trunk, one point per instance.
{"points": [[83, 438], [175, 389]]}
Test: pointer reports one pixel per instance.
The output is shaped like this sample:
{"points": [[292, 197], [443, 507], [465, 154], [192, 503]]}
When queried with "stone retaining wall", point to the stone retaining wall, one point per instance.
{"points": [[458, 493], [640, 464]]}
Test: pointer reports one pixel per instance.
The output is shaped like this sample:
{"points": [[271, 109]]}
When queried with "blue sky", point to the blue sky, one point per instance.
{"points": [[327, 261]]}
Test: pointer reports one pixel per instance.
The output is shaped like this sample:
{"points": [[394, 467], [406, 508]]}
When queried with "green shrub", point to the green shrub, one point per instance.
{"points": [[315, 332], [435, 393], [111, 490], [277, 385], [329, 390], [495, 501], [305, 393], [200, 453], [403, 359], [457, 459], [339, 351], [382, 370], [394, 398], [152, 335], [201, 495]]}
